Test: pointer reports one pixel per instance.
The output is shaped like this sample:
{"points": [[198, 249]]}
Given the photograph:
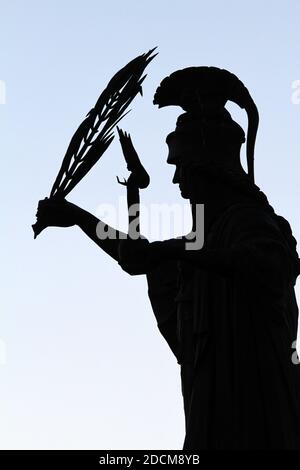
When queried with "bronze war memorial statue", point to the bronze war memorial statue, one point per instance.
{"points": [[227, 310]]}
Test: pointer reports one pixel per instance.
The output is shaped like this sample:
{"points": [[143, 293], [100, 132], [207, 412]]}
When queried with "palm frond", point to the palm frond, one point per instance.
{"points": [[94, 134]]}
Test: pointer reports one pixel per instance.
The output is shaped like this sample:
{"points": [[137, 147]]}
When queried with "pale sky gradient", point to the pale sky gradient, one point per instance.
{"points": [[86, 369]]}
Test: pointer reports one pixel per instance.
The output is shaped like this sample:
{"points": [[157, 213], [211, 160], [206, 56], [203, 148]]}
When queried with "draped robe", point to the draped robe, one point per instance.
{"points": [[231, 321]]}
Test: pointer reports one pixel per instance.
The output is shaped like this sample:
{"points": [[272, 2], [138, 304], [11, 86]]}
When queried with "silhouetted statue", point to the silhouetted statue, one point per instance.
{"points": [[228, 311]]}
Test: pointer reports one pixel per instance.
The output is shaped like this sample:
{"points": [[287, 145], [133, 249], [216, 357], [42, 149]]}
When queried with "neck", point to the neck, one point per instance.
{"points": [[214, 208]]}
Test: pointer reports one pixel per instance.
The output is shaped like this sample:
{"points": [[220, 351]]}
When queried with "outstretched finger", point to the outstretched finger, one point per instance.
{"points": [[122, 137], [121, 134]]}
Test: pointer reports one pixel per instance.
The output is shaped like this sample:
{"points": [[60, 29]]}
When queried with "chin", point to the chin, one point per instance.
{"points": [[184, 194]]}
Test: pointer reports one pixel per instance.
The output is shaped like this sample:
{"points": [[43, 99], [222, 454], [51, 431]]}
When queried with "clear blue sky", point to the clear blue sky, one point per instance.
{"points": [[65, 384]]}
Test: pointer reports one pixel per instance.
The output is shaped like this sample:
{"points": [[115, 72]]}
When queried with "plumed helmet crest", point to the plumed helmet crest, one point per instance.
{"points": [[205, 91]]}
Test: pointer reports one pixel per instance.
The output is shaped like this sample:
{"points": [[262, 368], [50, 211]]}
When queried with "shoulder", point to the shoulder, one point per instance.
{"points": [[249, 219]]}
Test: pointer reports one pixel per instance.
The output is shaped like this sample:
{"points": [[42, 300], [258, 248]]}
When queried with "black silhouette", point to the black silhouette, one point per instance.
{"points": [[85, 147], [138, 179], [227, 311]]}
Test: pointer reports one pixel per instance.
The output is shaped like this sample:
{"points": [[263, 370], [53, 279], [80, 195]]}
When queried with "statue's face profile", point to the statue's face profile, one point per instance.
{"points": [[182, 178], [191, 153], [200, 187], [181, 153], [193, 184], [184, 152], [176, 158]]}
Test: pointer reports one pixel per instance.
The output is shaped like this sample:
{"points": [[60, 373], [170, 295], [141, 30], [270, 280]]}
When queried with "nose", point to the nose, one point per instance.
{"points": [[176, 175]]}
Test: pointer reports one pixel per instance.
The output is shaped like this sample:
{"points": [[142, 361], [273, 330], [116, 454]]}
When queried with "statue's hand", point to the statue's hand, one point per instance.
{"points": [[139, 176], [128, 149], [55, 213]]}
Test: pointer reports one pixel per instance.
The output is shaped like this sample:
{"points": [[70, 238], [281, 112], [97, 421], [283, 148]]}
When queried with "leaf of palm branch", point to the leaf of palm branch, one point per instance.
{"points": [[103, 136], [110, 107], [125, 99], [87, 164], [71, 152], [134, 68]]}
